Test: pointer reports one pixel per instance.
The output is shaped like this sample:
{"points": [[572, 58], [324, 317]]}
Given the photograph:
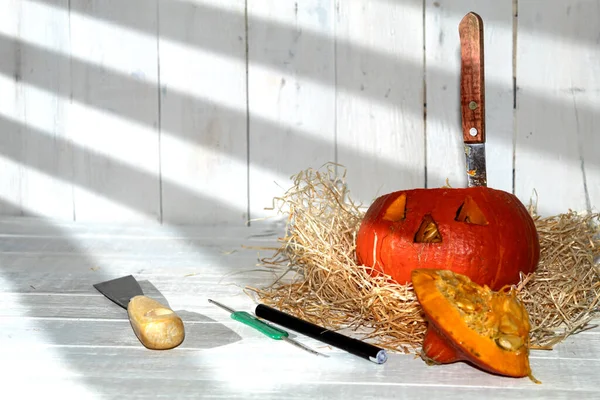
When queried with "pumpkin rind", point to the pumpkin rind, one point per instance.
{"points": [[484, 233], [479, 334]]}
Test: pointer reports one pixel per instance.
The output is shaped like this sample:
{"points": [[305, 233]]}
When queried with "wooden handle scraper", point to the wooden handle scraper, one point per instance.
{"points": [[156, 325]]}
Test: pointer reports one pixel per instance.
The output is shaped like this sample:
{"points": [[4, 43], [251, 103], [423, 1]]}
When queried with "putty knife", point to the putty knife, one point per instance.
{"points": [[156, 325]]}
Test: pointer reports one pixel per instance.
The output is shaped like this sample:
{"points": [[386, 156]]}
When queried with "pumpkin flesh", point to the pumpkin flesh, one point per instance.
{"points": [[469, 322]]}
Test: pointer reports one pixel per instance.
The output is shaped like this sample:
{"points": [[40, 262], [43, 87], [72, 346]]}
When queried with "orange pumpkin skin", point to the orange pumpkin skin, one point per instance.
{"points": [[489, 329], [497, 242], [437, 349]]}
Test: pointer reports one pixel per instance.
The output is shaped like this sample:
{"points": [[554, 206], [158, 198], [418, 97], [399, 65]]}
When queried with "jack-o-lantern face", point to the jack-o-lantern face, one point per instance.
{"points": [[483, 233]]}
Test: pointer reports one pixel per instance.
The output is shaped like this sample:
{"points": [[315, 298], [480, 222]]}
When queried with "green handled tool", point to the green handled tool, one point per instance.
{"points": [[264, 328]]}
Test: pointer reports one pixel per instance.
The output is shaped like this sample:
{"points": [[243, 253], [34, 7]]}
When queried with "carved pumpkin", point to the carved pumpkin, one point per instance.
{"points": [[484, 233], [468, 322]]}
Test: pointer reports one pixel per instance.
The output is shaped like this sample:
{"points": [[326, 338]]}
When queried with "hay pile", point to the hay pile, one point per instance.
{"points": [[320, 281]]}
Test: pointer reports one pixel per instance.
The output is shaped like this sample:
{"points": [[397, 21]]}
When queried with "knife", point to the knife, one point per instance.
{"points": [[155, 325], [472, 97]]}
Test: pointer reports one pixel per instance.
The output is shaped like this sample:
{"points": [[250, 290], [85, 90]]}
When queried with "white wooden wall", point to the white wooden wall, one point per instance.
{"points": [[198, 111]]}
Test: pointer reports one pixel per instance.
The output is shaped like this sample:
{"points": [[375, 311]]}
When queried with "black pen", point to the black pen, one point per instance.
{"points": [[351, 345]]}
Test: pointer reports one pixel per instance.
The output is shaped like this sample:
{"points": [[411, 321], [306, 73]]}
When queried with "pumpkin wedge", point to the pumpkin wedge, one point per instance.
{"points": [[472, 323]]}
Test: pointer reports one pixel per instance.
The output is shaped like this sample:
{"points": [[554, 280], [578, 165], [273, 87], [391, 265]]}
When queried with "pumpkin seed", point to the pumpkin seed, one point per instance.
{"points": [[512, 306], [450, 292], [508, 325], [509, 342], [465, 304], [430, 234]]}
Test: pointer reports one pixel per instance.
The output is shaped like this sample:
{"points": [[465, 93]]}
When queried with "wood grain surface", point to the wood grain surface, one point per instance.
{"points": [[198, 112], [61, 333]]}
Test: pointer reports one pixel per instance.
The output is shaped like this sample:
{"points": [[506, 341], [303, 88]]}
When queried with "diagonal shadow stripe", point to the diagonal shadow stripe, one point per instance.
{"points": [[14, 209], [178, 11], [44, 78], [46, 263], [50, 62], [214, 38], [113, 189]]}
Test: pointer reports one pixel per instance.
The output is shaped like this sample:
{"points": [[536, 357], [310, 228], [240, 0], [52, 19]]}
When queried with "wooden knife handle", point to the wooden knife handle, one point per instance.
{"points": [[156, 326], [472, 86]]}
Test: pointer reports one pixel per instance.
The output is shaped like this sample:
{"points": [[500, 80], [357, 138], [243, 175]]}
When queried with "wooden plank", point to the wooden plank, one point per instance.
{"points": [[46, 146], [445, 155], [42, 113], [38, 257], [144, 388], [223, 271], [291, 94], [223, 353], [203, 112], [379, 70], [106, 191], [208, 17], [229, 284], [71, 338], [84, 266], [585, 92], [219, 279], [38, 227], [200, 333], [11, 107], [80, 69], [69, 306], [554, 113], [199, 314], [590, 140], [110, 247]]}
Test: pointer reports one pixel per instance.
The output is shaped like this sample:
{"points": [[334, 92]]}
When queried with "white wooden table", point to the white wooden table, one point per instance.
{"points": [[61, 337]]}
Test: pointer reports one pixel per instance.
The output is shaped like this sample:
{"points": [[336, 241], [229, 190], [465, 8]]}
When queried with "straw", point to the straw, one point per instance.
{"points": [[319, 280]]}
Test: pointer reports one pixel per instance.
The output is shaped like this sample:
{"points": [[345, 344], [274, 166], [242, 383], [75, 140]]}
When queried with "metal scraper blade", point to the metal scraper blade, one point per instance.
{"points": [[120, 290], [475, 161]]}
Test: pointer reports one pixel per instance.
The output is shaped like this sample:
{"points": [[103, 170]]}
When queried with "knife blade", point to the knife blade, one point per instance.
{"points": [[472, 98], [156, 326]]}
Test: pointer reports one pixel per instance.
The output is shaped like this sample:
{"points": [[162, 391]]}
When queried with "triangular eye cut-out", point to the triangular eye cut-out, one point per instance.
{"points": [[397, 210], [470, 213], [428, 231]]}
